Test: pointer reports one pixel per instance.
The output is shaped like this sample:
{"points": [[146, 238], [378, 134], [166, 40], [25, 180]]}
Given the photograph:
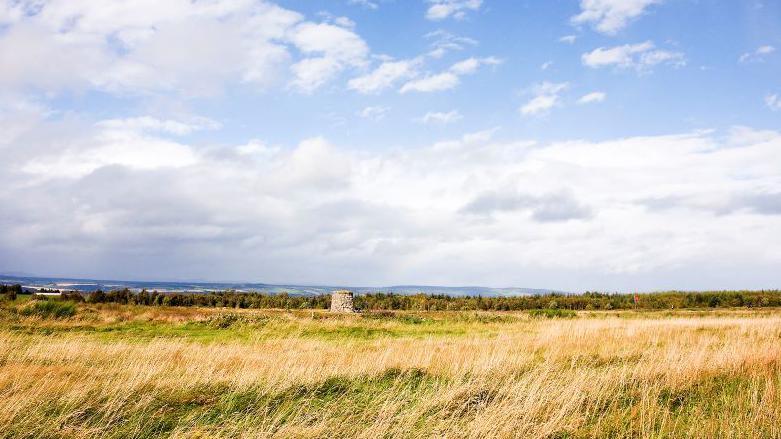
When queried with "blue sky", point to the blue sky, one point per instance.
{"points": [[713, 88], [593, 144]]}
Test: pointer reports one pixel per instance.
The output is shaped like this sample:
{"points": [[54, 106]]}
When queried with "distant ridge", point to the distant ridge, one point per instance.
{"points": [[86, 285]]}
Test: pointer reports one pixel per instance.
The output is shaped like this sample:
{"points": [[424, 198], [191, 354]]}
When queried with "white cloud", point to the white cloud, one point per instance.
{"points": [[470, 65], [365, 3], [146, 47], [436, 117], [10, 12], [546, 65], [773, 102], [641, 57], [311, 73], [331, 41], [592, 97], [442, 9], [465, 67], [444, 42], [128, 143], [546, 97], [336, 47], [757, 55], [431, 83], [470, 210], [449, 79], [622, 56], [569, 39], [389, 72], [610, 16], [375, 113], [384, 76], [344, 22], [539, 104], [151, 124]]}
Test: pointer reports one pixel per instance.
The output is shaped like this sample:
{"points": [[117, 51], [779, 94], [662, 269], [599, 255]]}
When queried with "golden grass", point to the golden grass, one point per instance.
{"points": [[443, 375]]}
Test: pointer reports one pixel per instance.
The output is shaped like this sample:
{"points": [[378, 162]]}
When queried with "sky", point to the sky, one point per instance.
{"points": [[610, 145]]}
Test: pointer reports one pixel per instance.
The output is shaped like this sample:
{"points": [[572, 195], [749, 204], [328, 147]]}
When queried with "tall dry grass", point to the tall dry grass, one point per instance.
{"points": [[604, 376]]}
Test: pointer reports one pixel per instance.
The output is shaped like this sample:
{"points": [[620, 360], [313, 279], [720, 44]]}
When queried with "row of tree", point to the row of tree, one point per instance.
{"points": [[422, 302]]}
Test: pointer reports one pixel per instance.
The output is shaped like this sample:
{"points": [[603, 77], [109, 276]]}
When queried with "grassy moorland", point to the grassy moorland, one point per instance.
{"points": [[107, 370]]}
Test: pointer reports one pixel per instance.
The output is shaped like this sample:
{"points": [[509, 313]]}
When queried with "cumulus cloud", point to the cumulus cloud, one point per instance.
{"points": [[365, 3], [544, 208], [444, 42], [767, 203], [757, 55], [147, 123], [438, 117], [336, 48], [470, 65], [546, 96], [143, 202], [762, 203], [593, 97], [384, 76], [431, 83], [311, 73], [641, 57], [137, 48], [569, 39], [463, 211], [611, 16], [375, 113], [331, 41], [10, 12], [450, 78], [130, 143], [390, 72], [773, 102], [442, 9]]}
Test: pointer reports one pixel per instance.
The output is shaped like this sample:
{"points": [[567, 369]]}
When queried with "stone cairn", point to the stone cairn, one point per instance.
{"points": [[342, 301]]}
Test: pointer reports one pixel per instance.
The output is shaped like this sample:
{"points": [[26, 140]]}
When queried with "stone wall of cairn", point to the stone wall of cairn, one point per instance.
{"points": [[342, 301]]}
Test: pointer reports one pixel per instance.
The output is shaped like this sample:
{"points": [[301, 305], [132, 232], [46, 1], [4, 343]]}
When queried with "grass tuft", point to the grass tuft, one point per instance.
{"points": [[48, 309]]}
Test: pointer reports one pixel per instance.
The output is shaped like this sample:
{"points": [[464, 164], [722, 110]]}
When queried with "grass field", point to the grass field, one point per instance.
{"points": [[127, 371]]}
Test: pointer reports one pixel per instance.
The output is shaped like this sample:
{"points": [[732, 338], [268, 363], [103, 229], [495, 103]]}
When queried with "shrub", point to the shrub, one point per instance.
{"points": [[223, 321], [49, 309], [97, 296], [10, 291], [552, 313], [232, 320], [411, 319]]}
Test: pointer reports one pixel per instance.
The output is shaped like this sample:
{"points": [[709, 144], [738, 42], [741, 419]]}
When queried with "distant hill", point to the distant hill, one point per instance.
{"points": [[457, 291], [86, 285]]}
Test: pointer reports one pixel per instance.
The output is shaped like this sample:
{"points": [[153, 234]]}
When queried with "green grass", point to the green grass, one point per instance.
{"points": [[49, 309], [222, 409], [219, 406], [56, 317]]}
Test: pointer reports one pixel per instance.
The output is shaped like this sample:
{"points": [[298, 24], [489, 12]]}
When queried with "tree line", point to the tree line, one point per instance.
{"points": [[438, 302]]}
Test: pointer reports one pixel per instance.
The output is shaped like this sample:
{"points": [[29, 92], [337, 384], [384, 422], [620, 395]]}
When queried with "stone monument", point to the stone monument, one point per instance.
{"points": [[342, 301]]}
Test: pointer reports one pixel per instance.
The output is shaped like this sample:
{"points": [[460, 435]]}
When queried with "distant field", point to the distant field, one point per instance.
{"points": [[92, 370]]}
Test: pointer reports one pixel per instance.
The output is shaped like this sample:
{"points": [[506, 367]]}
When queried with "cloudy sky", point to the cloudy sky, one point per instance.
{"points": [[592, 144]]}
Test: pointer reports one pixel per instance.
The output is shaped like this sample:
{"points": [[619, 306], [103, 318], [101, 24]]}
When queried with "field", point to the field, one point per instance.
{"points": [[139, 371]]}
